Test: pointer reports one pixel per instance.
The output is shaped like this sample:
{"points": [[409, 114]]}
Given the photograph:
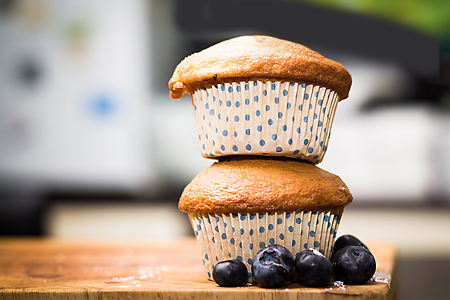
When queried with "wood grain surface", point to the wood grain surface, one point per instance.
{"points": [[60, 269]]}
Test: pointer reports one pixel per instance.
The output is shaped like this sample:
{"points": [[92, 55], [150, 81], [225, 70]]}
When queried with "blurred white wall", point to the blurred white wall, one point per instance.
{"points": [[75, 94]]}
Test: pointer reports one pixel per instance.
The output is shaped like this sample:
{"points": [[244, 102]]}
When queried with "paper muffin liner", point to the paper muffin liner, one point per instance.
{"points": [[265, 118], [240, 236]]}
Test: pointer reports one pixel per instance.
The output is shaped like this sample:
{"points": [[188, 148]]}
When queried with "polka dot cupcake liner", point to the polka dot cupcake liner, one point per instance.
{"points": [[241, 236], [265, 118]]}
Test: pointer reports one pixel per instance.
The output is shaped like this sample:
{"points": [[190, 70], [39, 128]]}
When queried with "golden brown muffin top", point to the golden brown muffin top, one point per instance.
{"points": [[256, 184], [257, 57]]}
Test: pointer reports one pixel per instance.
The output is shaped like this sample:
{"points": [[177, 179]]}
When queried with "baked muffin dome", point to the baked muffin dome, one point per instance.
{"points": [[258, 185], [258, 58]]}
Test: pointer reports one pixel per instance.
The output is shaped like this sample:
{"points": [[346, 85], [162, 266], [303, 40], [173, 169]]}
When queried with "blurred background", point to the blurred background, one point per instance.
{"points": [[91, 145]]}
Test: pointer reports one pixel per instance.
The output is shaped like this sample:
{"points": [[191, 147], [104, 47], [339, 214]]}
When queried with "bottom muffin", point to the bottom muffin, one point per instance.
{"points": [[238, 206]]}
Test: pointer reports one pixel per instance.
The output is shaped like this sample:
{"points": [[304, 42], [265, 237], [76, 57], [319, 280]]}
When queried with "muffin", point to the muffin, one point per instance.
{"points": [[237, 206], [259, 95]]}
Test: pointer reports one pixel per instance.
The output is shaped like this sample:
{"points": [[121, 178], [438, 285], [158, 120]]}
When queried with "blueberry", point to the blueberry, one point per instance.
{"points": [[272, 265], [313, 268], [354, 265], [347, 240], [230, 273]]}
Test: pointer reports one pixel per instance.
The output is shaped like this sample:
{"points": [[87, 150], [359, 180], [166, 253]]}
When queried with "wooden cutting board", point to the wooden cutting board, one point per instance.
{"points": [[57, 269]]}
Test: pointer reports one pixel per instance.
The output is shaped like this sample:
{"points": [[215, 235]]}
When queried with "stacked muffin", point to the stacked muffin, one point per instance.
{"points": [[264, 108]]}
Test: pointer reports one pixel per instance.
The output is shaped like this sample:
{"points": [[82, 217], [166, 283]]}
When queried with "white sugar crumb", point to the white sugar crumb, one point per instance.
{"points": [[381, 278], [338, 285]]}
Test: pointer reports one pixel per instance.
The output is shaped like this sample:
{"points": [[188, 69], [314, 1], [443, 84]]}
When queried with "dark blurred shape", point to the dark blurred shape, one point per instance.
{"points": [[20, 214], [316, 27], [422, 91], [29, 72], [422, 278], [6, 5]]}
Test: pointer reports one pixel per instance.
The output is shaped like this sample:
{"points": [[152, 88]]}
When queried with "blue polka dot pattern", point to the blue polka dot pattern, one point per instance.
{"points": [[223, 108]]}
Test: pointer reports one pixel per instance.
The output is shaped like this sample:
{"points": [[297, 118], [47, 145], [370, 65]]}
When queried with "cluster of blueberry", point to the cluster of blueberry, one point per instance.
{"points": [[273, 266]]}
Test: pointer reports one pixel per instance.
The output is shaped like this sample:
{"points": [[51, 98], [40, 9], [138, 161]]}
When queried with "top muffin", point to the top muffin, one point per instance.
{"points": [[258, 57], [259, 95]]}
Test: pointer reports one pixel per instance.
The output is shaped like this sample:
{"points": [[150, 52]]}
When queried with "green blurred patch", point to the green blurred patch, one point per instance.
{"points": [[431, 17]]}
